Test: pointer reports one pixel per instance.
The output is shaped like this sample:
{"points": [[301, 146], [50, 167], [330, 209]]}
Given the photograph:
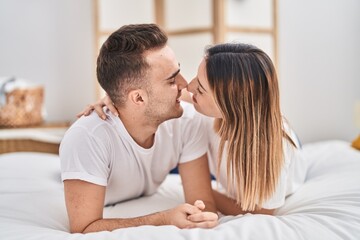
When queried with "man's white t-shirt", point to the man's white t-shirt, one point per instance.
{"points": [[292, 175], [103, 153]]}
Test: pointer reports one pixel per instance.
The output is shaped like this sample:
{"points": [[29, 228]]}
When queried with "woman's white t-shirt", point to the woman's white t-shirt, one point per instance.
{"points": [[292, 175]]}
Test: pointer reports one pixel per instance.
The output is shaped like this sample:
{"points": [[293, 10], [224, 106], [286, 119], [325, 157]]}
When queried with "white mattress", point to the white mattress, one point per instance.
{"points": [[327, 206]]}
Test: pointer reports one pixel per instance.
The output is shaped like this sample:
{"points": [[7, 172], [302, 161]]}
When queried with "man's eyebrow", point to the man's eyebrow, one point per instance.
{"points": [[200, 84], [173, 75]]}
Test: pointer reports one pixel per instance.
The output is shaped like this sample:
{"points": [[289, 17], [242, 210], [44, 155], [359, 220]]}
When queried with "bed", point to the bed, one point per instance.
{"points": [[327, 206]]}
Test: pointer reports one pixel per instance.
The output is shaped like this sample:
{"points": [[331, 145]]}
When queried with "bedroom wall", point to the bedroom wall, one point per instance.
{"points": [[51, 42], [319, 67]]}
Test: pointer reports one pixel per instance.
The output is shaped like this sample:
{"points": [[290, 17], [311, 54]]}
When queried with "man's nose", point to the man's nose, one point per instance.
{"points": [[181, 82]]}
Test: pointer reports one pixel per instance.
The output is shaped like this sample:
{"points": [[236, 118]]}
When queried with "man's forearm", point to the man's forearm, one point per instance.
{"points": [[110, 224]]}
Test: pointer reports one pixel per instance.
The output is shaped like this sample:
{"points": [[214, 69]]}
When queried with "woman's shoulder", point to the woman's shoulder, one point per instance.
{"points": [[290, 132]]}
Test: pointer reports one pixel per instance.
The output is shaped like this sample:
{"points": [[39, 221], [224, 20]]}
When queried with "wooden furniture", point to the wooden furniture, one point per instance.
{"points": [[192, 25], [41, 138]]}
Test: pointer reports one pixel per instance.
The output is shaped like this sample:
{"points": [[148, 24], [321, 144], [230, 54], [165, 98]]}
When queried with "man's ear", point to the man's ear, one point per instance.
{"points": [[137, 96]]}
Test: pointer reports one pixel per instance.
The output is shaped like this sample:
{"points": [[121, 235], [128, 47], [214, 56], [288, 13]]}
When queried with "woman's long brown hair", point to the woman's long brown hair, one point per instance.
{"points": [[245, 87]]}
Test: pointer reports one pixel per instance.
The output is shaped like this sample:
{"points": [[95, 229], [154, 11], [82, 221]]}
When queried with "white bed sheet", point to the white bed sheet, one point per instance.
{"points": [[327, 206]]}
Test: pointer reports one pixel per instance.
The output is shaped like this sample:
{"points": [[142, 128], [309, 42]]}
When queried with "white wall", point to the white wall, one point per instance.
{"points": [[319, 67], [50, 42]]}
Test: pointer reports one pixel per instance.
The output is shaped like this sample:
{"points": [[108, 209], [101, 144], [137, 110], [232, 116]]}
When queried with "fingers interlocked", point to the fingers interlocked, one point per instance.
{"points": [[200, 218]]}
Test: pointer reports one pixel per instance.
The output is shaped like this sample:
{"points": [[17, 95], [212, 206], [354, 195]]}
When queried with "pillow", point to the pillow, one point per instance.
{"points": [[356, 143]]}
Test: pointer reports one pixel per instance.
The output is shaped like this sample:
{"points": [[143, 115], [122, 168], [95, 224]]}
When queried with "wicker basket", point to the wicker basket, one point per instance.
{"points": [[23, 107]]}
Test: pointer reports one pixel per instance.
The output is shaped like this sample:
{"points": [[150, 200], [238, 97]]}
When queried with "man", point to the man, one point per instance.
{"points": [[128, 156]]}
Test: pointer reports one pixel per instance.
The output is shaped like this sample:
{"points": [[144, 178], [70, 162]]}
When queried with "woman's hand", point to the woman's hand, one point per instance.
{"points": [[98, 107], [191, 216]]}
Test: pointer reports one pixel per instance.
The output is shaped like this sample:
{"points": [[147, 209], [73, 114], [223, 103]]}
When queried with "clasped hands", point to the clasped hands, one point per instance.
{"points": [[191, 216]]}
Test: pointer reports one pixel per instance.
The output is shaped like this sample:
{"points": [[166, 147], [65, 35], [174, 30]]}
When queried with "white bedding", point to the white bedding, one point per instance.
{"points": [[327, 206]]}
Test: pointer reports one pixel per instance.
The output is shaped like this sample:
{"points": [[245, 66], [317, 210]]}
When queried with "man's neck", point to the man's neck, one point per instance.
{"points": [[139, 128]]}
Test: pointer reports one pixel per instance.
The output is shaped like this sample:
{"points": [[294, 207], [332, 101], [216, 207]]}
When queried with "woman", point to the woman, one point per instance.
{"points": [[252, 151], [259, 162]]}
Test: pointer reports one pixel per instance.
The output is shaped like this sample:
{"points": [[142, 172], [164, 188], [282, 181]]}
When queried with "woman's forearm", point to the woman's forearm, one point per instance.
{"points": [[228, 206]]}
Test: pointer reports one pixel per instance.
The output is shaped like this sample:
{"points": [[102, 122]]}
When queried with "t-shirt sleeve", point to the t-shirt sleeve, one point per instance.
{"points": [[194, 139], [278, 198], [83, 157], [291, 155]]}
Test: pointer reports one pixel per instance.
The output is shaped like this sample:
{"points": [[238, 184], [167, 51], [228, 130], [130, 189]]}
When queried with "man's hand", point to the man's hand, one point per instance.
{"points": [[199, 204], [203, 219], [191, 216]]}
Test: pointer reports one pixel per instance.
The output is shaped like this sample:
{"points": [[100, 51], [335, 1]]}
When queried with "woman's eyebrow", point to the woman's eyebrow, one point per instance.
{"points": [[200, 84]]}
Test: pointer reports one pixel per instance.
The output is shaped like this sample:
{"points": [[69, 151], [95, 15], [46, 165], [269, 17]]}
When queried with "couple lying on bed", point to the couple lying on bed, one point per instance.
{"points": [[251, 150]]}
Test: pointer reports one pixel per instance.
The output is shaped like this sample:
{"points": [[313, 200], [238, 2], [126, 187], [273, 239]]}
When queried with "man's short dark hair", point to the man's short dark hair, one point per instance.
{"points": [[121, 65]]}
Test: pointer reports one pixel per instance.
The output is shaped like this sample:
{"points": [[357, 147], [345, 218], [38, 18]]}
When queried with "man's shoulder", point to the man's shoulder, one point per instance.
{"points": [[92, 125], [90, 132]]}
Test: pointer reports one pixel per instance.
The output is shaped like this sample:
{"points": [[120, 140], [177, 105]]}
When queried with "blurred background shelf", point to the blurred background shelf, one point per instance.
{"points": [[40, 138]]}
